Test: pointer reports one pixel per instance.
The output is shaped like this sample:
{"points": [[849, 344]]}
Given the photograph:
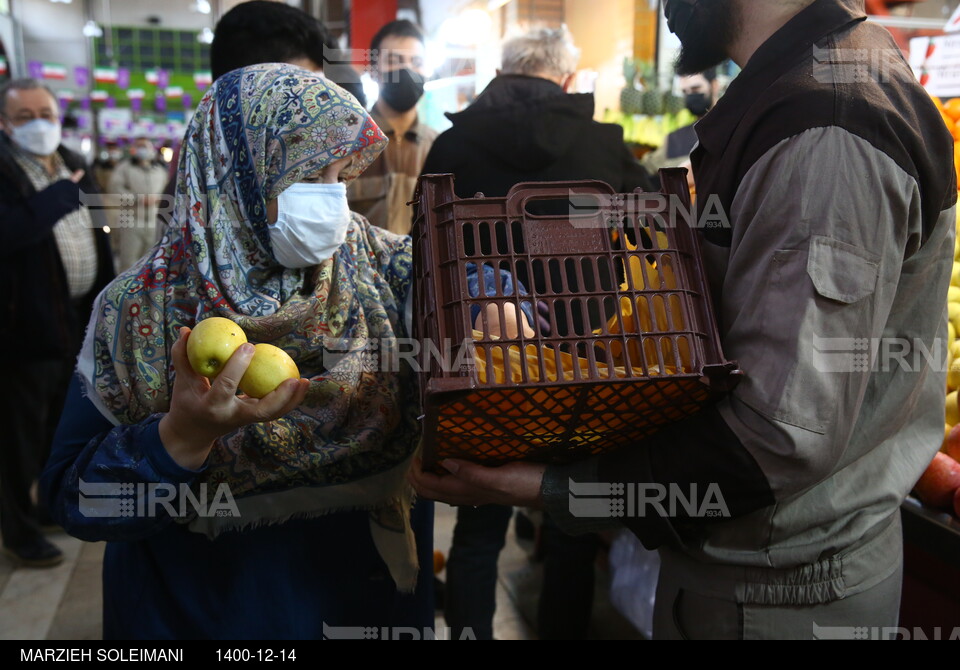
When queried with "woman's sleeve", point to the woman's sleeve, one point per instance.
{"points": [[106, 482]]}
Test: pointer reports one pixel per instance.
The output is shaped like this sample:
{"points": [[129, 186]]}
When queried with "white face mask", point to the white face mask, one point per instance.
{"points": [[39, 137], [311, 224], [144, 154]]}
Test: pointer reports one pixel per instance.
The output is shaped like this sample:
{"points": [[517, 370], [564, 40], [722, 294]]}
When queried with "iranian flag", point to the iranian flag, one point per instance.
{"points": [[203, 78], [136, 93], [174, 92], [3, 66], [54, 71], [105, 75], [99, 96]]}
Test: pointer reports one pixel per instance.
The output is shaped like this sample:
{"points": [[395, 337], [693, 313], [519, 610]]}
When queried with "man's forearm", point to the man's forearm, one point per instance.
{"points": [[696, 455]]}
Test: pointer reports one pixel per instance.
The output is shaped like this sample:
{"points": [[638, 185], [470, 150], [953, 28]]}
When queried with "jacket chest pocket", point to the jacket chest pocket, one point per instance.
{"points": [[842, 272], [817, 336]]}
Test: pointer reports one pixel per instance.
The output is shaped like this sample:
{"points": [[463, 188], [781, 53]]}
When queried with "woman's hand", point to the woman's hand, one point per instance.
{"points": [[202, 411]]}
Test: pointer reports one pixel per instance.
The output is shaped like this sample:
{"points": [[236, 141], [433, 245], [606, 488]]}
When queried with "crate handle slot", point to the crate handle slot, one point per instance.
{"points": [[522, 194]]}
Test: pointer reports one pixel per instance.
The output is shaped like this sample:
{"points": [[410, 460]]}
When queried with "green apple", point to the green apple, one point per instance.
{"points": [[212, 343], [269, 367]]}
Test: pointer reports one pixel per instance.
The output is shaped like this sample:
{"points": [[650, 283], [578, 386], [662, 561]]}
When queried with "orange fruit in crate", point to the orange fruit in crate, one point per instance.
{"points": [[938, 102], [952, 108], [439, 561]]}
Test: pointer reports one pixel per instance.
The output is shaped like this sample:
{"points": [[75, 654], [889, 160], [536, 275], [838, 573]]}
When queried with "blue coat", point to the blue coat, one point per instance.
{"points": [[162, 581]]}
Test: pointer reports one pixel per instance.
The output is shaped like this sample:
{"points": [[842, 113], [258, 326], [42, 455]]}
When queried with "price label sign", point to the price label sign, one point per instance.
{"points": [[936, 62]]}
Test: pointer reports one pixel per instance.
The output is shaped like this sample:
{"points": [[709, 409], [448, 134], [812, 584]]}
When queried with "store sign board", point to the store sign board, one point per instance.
{"points": [[936, 62], [953, 25]]}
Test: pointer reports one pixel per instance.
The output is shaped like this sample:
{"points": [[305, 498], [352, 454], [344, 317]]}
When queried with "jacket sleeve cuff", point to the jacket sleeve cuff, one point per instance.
{"points": [[558, 498], [160, 459]]}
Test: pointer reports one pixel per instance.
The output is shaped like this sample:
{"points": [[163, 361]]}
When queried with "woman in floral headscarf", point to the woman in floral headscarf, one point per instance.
{"points": [[312, 529]]}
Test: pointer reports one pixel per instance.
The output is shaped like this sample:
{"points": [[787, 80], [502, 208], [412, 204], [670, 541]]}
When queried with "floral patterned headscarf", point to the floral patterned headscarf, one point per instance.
{"points": [[257, 131]]}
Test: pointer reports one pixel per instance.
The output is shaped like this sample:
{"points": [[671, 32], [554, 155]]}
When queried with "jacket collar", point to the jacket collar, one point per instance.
{"points": [[413, 134], [773, 59], [512, 94]]}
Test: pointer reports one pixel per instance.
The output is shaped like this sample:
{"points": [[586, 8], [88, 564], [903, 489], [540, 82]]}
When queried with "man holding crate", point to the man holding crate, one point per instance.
{"points": [[836, 177]]}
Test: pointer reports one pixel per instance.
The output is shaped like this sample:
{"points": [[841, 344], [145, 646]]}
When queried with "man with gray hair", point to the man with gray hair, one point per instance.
{"points": [[545, 53], [526, 127], [54, 260]]}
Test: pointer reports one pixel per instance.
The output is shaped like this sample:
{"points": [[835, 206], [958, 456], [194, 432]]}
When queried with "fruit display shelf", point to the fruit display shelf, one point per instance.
{"points": [[935, 532], [930, 600]]}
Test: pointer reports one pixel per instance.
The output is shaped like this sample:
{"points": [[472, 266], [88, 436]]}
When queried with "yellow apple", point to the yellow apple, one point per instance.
{"points": [[269, 367], [953, 376], [953, 411], [953, 311], [212, 343]]}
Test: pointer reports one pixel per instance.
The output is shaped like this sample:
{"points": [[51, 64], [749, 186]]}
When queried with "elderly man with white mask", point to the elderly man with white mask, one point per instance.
{"points": [[54, 259]]}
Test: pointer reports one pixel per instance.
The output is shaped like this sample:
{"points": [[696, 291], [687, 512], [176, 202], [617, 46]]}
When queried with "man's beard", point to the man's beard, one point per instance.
{"points": [[708, 37]]}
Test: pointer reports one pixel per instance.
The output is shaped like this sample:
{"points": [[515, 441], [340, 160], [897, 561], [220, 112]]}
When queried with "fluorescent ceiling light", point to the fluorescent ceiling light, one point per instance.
{"points": [[91, 29]]}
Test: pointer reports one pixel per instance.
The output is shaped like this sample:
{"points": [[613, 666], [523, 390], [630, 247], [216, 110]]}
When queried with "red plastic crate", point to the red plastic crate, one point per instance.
{"points": [[631, 343]]}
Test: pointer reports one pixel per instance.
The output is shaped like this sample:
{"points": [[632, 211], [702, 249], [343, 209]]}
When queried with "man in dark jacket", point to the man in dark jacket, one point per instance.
{"points": [[55, 260], [525, 127]]}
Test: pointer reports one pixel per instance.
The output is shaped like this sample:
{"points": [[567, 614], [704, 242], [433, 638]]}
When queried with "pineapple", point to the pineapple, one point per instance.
{"points": [[673, 104], [631, 100]]}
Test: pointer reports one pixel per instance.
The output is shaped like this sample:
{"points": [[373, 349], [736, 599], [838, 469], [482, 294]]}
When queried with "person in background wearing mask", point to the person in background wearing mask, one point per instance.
{"points": [[834, 221], [700, 93], [106, 163], [54, 260], [134, 226], [382, 193]]}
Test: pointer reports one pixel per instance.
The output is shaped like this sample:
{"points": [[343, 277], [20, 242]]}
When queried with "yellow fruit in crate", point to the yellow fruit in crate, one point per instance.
{"points": [[269, 367], [955, 277], [955, 349], [951, 332], [953, 294], [212, 343], [953, 411]]}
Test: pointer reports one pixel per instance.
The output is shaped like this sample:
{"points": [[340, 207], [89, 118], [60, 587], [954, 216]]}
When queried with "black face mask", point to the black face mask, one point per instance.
{"points": [[402, 89], [679, 13], [698, 103]]}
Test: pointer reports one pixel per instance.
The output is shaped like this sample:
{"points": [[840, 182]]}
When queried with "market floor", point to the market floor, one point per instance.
{"points": [[64, 603]]}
